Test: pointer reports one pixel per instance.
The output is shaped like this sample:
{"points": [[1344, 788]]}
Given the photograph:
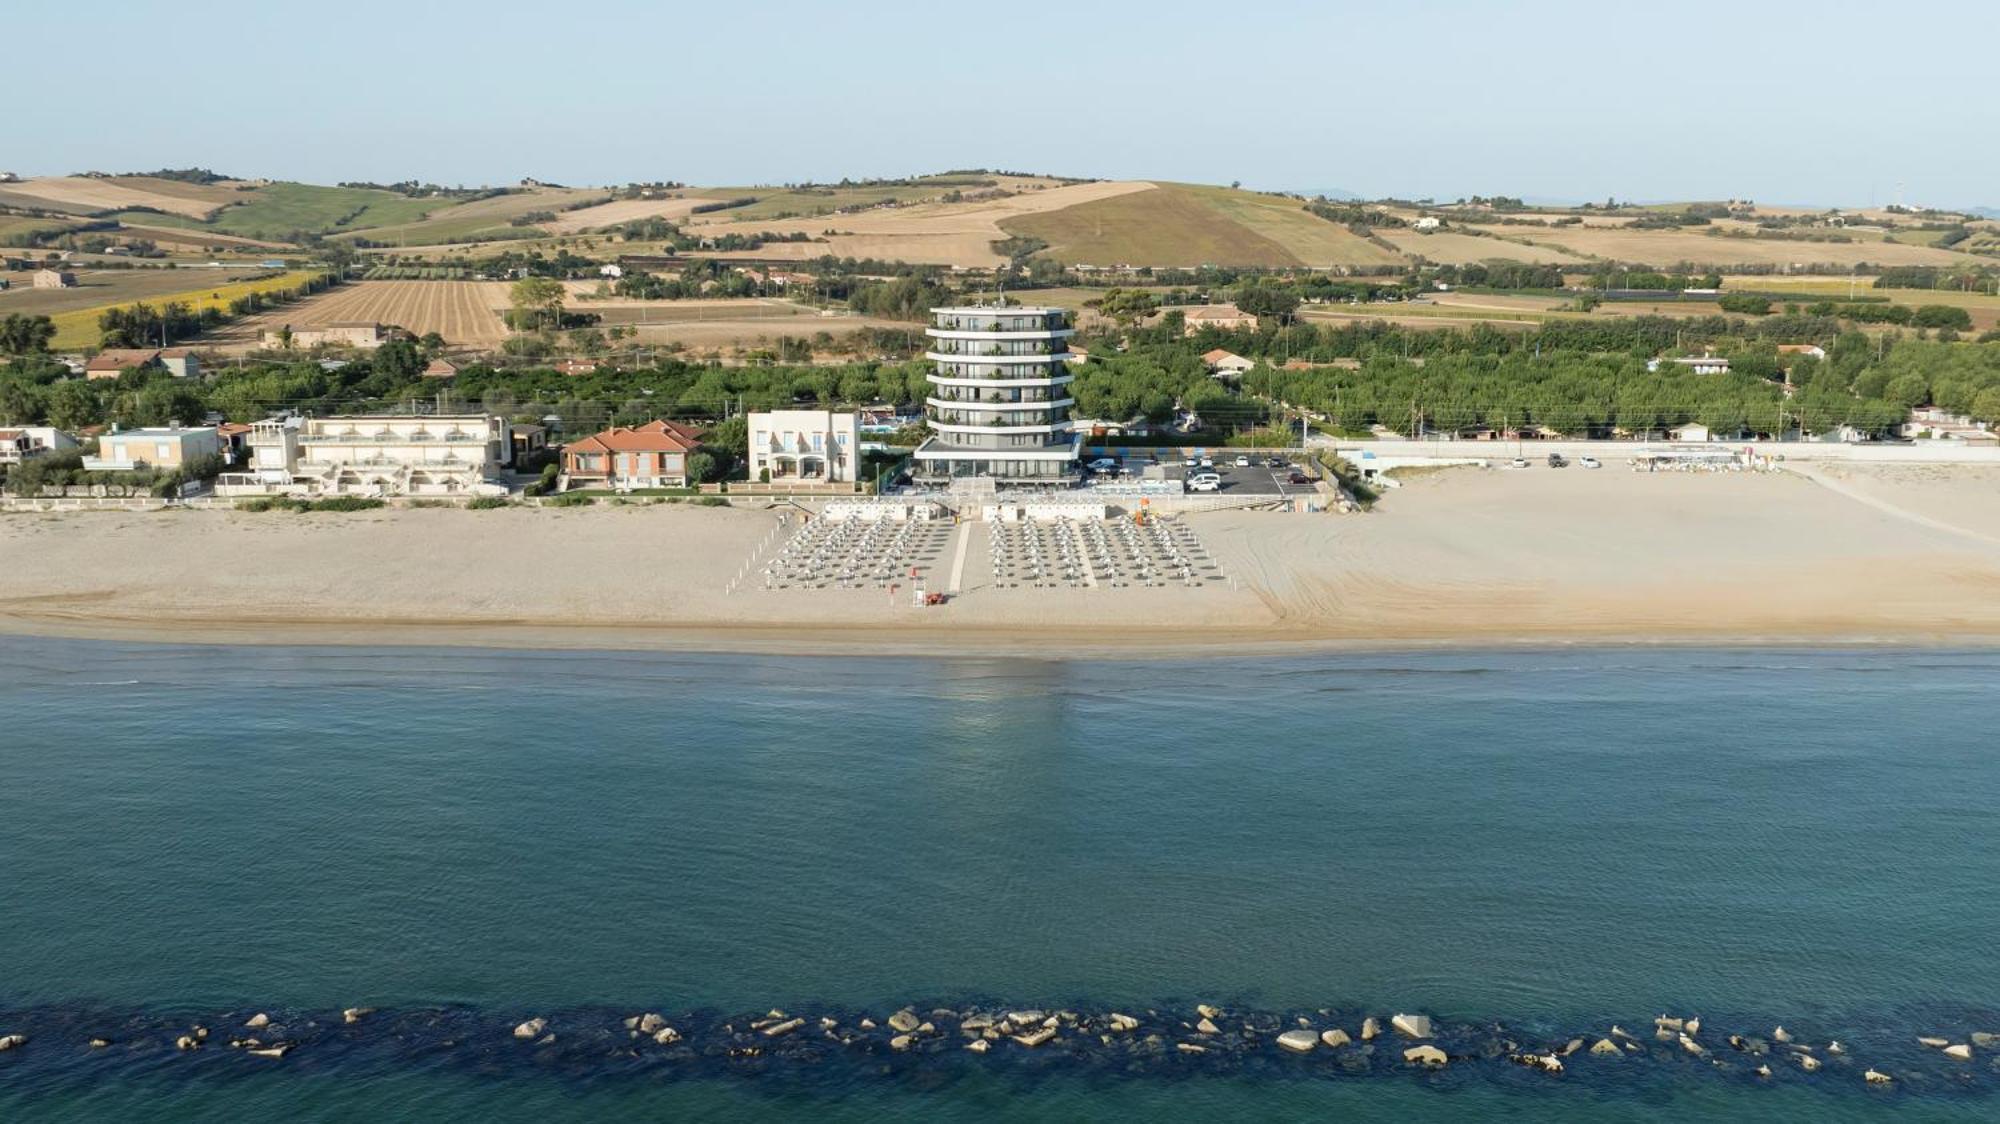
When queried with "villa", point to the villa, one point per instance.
{"points": [[817, 445], [1225, 316], [654, 455]]}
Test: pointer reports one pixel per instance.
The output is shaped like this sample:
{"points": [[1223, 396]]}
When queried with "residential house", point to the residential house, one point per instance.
{"points": [[529, 439], [653, 455], [440, 368], [111, 363], [1226, 364], [1809, 350], [351, 333], [815, 445], [234, 438], [1226, 316], [1428, 222], [575, 367], [162, 447], [32, 440], [375, 455], [54, 279], [180, 362], [1699, 364]]}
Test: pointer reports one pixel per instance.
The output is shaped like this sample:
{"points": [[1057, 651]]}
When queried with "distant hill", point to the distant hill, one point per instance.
{"points": [[967, 219]]}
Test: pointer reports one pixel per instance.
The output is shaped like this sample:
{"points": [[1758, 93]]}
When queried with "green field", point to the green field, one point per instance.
{"points": [[277, 210], [482, 219], [1171, 225], [21, 230]]}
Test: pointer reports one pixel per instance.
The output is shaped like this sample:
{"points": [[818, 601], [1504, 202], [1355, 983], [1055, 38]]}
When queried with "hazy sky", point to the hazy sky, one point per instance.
{"points": [[1824, 102]]}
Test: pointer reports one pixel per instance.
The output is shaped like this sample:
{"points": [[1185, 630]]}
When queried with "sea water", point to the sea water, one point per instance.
{"points": [[1550, 841]]}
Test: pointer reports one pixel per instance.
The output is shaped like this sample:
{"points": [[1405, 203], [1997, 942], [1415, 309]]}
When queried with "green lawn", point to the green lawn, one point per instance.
{"points": [[277, 210]]}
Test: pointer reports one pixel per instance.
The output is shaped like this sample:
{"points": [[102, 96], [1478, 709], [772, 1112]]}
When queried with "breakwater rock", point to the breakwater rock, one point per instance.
{"points": [[1955, 1054]]}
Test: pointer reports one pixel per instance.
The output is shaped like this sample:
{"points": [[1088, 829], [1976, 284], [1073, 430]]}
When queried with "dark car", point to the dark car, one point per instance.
{"points": [[1556, 460], [1298, 478], [1275, 462]]}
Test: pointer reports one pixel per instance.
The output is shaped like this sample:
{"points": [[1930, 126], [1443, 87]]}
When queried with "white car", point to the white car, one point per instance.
{"points": [[1204, 482], [1520, 462], [1194, 462], [1242, 462], [1589, 462]]}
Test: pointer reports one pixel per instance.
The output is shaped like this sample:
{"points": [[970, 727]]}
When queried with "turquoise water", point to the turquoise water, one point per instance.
{"points": [[1555, 841]]}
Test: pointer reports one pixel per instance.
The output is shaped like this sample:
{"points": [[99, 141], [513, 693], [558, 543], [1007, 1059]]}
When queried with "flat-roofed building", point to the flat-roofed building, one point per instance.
{"points": [[821, 446]]}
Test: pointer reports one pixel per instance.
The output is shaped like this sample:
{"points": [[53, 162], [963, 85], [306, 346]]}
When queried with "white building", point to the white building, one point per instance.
{"points": [[375, 455], [999, 405], [817, 445], [19, 442], [1699, 364], [161, 447]]}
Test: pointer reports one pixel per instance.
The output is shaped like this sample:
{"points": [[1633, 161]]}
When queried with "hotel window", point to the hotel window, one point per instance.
{"points": [[816, 442]]}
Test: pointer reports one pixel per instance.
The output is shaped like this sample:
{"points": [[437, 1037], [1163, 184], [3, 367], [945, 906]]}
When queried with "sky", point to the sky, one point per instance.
{"points": [[1827, 103]]}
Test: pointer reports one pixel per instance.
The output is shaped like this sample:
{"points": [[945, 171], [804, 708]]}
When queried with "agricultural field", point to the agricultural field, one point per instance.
{"points": [[465, 313], [1160, 225], [1665, 248], [104, 288], [481, 219], [617, 211], [1446, 247], [186, 240], [78, 328], [20, 230], [91, 195]]}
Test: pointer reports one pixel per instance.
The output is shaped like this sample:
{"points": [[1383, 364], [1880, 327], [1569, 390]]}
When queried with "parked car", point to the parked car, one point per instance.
{"points": [[1208, 462], [1103, 464], [1194, 462], [1557, 460], [1589, 462], [1520, 462], [1242, 462], [1298, 478], [1276, 462], [1204, 482]]}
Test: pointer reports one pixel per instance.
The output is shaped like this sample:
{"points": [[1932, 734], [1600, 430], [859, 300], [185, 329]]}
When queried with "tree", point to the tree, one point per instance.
{"points": [[703, 467], [19, 404], [23, 335], [1266, 302], [538, 302], [74, 404], [398, 359]]}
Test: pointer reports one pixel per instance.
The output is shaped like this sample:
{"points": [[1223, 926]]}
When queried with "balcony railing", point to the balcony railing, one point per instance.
{"points": [[999, 418], [1001, 324]]}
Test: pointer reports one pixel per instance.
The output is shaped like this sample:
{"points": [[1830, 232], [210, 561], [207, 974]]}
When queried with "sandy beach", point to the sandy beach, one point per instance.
{"points": [[1853, 554]]}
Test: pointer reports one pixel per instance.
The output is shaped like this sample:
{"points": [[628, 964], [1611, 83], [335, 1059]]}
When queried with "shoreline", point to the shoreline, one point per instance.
{"points": [[1464, 560], [924, 642]]}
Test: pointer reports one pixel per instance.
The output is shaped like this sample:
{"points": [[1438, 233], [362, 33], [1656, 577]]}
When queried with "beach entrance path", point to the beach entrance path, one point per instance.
{"points": [[961, 541]]}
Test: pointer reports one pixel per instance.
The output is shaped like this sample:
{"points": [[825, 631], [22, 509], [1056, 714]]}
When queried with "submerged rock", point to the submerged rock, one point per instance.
{"points": [[779, 1030], [1877, 1077], [1411, 1026], [1370, 1029], [1208, 1012], [901, 1042], [1334, 1039], [1666, 1023], [979, 1045], [1691, 1046], [1985, 1038], [531, 1029], [1207, 1026], [1959, 1052], [1035, 1038], [1547, 1063], [1298, 1041], [12, 1042], [276, 1050], [650, 1023], [904, 1021], [187, 1042], [258, 1021], [1425, 1055], [99, 1043], [1764, 1071], [1606, 1048], [1781, 1035], [666, 1036], [1934, 1042], [1123, 1023], [1190, 1048], [353, 1015], [1808, 1063]]}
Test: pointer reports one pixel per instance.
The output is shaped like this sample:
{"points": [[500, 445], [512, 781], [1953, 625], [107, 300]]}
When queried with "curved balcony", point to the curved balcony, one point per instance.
{"points": [[1001, 384], [981, 402], [997, 421]]}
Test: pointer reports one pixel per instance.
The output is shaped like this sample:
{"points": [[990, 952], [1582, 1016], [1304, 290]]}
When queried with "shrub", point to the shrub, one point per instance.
{"points": [[712, 501], [569, 499], [488, 503]]}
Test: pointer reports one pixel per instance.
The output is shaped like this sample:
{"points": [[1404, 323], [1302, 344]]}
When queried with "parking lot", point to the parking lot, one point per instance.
{"points": [[1259, 479]]}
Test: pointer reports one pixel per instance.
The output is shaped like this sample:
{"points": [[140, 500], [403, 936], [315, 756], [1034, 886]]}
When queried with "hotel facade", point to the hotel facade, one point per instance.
{"points": [[999, 405]]}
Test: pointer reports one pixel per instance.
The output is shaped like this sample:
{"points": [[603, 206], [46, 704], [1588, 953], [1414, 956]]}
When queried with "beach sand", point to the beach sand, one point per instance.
{"points": [[1459, 557]]}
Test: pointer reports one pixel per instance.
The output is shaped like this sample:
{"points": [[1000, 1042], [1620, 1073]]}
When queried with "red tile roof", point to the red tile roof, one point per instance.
{"points": [[653, 437], [119, 358]]}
